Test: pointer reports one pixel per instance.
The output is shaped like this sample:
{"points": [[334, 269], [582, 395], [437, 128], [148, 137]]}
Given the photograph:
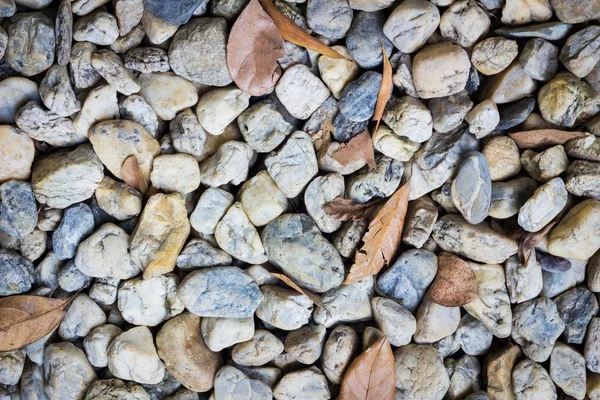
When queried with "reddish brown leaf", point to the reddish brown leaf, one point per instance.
{"points": [[360, 147], [313, 297], [532, 239], [543, 138], [293, 33], [455, 283], [132, 175], [253, 49], [25, 319], [372, 375], [344, 209], [382, 237], [385, 90]]}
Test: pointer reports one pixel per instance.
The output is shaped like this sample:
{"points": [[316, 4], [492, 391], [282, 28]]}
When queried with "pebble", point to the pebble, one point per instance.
{"points": [[546, 203], [472, 188], [99, 105], [581, 179], [175, 173], [409, 118], [116, 388], [580, 52], [237, 236], [382, 181], [211, 207], [76, 225], [18, 209], [548, 31], [178, 13], [592, 346], [531, 381], [346, 303], [157, 30], [410, 25], [135, 108], [483, 118], [33, 245], [16, 92], [11, 366], [547, 164], [31, 43], [125, 43], [118, 199], [229, 164], [449, 112], [147, 60], [80, 65], [129, 14], [420, 218], [499, 372], [519, 12], [573, 237], [57, 93], [358, 99], [319, 192], [67, 372], [301, 92], [167, 103], [440, 70], [464, 23], [524, 281], [435, 322], [472, 336], [110, 66], [402, 78], [586, 148], [257, 351], [8, 8], [32, 381], [567, 370], [46, 126], [395, 321], [219, 107], [46, 273], [556, 283], [160, 234], [225, 292], [366, 38], [509, 197], [132, 356], [284, 308], [336, 73], [308, 383], [181, 347], [83, 316], [331, 18], [221, 333], [513, 114], [97, 341], [231, 383], [294, 244], [199, 253], [464, 375], [99, 28], [344, 130], [576, 308], [539, 59], [262, 200], [104, 291], [420, 373], [392, 145], [510, 85], [265, 124], [576, 11], [346, 239], [339, 350]]}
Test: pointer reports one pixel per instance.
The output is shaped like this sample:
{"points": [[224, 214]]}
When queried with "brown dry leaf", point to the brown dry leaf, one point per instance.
{"points": [[543, 137], [313, 297], [382, 237], [532, 239], [253, 49], [322, 138], [343, 209], [25, 319], [455, 283], [132, 175], [360, 147], [293, 33], [372, 375], [385, 90]]}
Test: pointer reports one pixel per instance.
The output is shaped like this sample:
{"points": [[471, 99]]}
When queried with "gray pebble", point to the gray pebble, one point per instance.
{"points": [[228, 9], [46, 272], [76, 225], [147, 59], [30, 48], [450, 111], [300, 91], [365, 38], [46, 126], [547, 30], [581, 51], [8, 8], [33, 245], [584, 148], [57, 93], [472, 188], [330, 18], [71, 279], [420, 218], [402, 78], [347, 238], [583, 179], [513, 114], [18, 209], [64, 32], [382, 181], [199, 253], [345, 129], [327, 111], [508, 197], [83, 73], [539, 59], [411, 24], [100, 28], [576, 308], [567, 370], [474, 338], [546, 203], [176, 13], [408, 117], [17, 273], [32, 380], [357, 102]]}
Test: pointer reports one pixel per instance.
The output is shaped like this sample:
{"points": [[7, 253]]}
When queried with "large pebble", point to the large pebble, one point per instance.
{"points": [[199, 253], [574, 236], [567, 370], [259, 350], [83, 316], [581, 51], [284, 308], [539, 59], [365, 39], [357, 101], [440, 70], [508, 197], [135, 108], [110, 66], [18, 209], [523, 280], [17, 151], [219, 107], [582, 179], [265, 124], [76, 225], [99, 28], [464, 23], [499, 373], [546, 165], [411, 24], [369, 183], [262, 200], [167, 93], [232, 384], [576, 308], [82, 72], [67, 372], [346, 303], [99, 105], [472, 188], [545, 204], [420, 373], [57, 93], [301, 92], [237, 236], [330, 18], [319, 192], [97, 341], [46, 126], [220, 333], [531, 381], [309, 383], [118, 199], [519, 12], [395, 321], [115, 388], [229, 164], [211, 207], [17, 272], [175, 173], [31, 43], [16, 92], [409, 118]]}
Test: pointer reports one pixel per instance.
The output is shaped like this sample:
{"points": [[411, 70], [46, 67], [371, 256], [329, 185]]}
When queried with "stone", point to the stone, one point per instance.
{"points": [[531, 381], [402, 78], [464, 375], [493, 306], [166, 387], [440, 70], [510, 85], [32, 382], [83, 316], [346, 239], [57, 93], [394, 146], [363, 5], [556, 283], [160, 234], [33, 245], [175, 173], [301, 92], [576, 308], [76, 225], [567, 370], [80, 65], [157, 30], [97, 341], [547, 164], [18, 209], [357, 101], [104, 291], [502, 154], [132, 356], [16, 154], [294, 244], [229, 9], [567, 100], [257, 351], [548, 31], [472, 336], [500, 366], [99, 105], [382, 181], [284, 308], [118, 199], [8, 8], [472, 188], [129, 14], [536, 326], [575, 11], [509, 197], [262, 200], [116, 388], [219, 107], [265, 124], [464, 23], [225, 292], [420, 373], [211, 207], [346, 303], [319, 192], [338, 352], [338, 73], [31, 43], [46, 273], [309, 383], [411, 24], [221, 333], [365, 40], [582, 178], [344, 130], [231, 383], [167, 103], [421, 216], [67, 372], [586, 148], [71, 279], [127, 42], [524, 281], [178, 14], [483, 118], [539, 59], [546, 203], [46, 126], [237, 236], [449, 112], [99, 28], [63, 29], [592, 345], [181, 347], [110, 66], [135, 108], [147, 60], [11, 366], [564, 242], [331, 19], [230, 164], [16, 92], [82, 7], [199, 253], [435, 322], [186, 134], [395, 321], [580, 52], [409, 118]]}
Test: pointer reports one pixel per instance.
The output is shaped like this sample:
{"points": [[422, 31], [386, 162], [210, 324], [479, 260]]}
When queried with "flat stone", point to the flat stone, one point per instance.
{"points": [[16, 92], [440, 70], [531, 381], [76, 225], [576, 308], [420, 373], [301, 92], [259, 350], [582, 179], [31, 43], [512, 114], [262, 200], [82, 316], [67, 372], [546, 203], [46, 126], [524, 281], [82, 7], [211, 207], [539, 59], [221, 333], [586, 148], [157, 29], [365, 39], [573, 12], [411, 24], [472, 188], [573, 237], [408, 117], [110, 66], [231, 383], [567, 370], [346, 303], [131, 40], [236, 235], [99, 28], [186, 135], [173, 13], [592, 346], [331, 19], [435, 322], [167, 103], [500, 366], [464, 23], [510, 85], [199, 253], [306, 382], [57, 93], [556, 283], [99, 105], [509, 197], [284, 308], [548, 31]]}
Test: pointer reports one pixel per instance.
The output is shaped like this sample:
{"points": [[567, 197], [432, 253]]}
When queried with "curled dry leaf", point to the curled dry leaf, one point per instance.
{"points": [[253, 49], [25, 319], [372, 375], [455, 283], [322, 138], [132, 175], [382, 237], [293, 33], [531, 240], [360, 147], [385, 90], [543, 138], [343, 209], [313, 297]]}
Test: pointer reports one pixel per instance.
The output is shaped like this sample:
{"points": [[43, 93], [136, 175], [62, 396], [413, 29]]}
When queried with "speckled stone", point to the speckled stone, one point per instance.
{"points": [[365, 38], [76, 225], [18, 209], [357, 102]]}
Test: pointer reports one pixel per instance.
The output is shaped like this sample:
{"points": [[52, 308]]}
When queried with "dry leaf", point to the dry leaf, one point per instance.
{"points": [[455, 283], [385, 90], [382, 237], [360, 147], [343, 209], [253, 49], [313, 297], [543, 138], [25, 319], [132, 175], [322, 138], [372, 375], [293, 33], [532, 239], [507, 227]]}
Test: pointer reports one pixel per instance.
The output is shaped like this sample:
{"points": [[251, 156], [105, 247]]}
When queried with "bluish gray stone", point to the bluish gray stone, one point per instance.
{"points": [[512, 114], [76, 225], [547, 30], [365, 37], [18, 209], [576, 308], [344, 129], [71, 279], [225, 292], [31, 43], [551, 263], [228, 9], [8, 8], [64, 32], [472, 188], [508, 197], [17, 273], [358, 99], [330, 18], [175, 12], [409, 277], [382, 181], [199, 253], [294, 244]]}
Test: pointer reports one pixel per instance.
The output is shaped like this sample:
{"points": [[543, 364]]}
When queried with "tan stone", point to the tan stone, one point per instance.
{"points": [[576, 236], [167, 93], [502, 154], [510, 85], [338, 73], [175, 173], [118, 199], [16, 154], [100, 105], [499, 373], [519, 12], [181, 347], [160, 234], [494, 54], [440, 70]]}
